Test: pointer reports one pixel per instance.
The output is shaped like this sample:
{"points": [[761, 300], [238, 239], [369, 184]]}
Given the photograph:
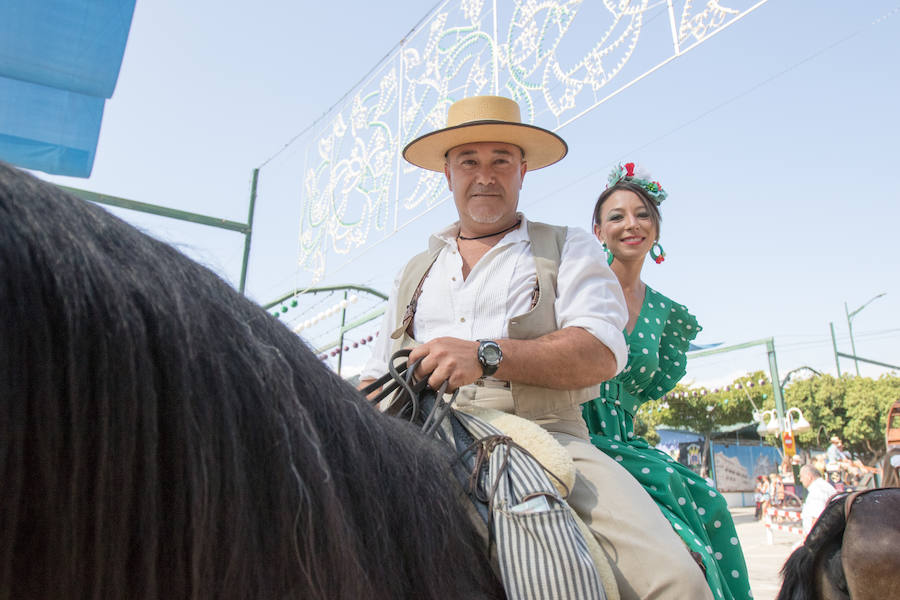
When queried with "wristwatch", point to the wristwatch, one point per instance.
{"points": [[489, 355]]}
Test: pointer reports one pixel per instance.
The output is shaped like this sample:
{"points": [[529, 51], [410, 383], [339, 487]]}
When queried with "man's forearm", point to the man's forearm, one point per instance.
{"points": [[568, 359]]}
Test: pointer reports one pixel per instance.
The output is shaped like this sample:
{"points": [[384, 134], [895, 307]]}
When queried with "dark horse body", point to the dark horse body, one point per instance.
{"points": [[853, 551], [163, 437]]}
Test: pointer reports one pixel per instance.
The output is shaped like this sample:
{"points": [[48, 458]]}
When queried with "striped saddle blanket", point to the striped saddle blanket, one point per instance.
{"points": [[541, 549]]}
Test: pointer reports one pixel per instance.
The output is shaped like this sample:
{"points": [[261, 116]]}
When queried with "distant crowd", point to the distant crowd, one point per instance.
{"points": [[806, 483]]}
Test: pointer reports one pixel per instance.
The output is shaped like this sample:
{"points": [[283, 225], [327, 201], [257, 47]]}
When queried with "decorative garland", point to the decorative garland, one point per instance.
{"points": [[641, 178], [347, 348]]}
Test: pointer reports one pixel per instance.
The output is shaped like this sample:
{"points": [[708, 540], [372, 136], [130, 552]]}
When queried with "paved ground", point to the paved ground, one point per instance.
{"points": [[764, 561]]}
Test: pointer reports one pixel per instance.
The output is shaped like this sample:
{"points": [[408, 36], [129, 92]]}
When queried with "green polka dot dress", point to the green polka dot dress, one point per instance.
{"points": [[696, 510]]}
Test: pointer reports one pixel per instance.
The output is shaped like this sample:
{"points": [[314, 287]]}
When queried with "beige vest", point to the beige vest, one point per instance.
{"points": [[546, 244]]}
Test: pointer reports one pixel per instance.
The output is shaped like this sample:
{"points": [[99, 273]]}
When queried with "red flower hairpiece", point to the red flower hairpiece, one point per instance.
{"points": [[627, 172]]}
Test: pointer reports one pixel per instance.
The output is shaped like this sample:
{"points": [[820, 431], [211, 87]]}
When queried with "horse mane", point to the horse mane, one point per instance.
{"points": [[890, 475], [163, 436], [822, 545]]}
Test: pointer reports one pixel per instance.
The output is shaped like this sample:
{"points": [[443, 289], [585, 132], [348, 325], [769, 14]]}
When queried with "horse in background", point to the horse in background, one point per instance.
{"points": [[163, 437], [852, 551]]}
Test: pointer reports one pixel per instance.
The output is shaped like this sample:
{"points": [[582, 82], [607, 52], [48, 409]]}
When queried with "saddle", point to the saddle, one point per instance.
{"points": [[516, 476]]}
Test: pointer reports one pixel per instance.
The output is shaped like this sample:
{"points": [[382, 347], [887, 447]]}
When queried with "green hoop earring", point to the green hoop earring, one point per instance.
{"points": [[657, 253], [609, 254]]}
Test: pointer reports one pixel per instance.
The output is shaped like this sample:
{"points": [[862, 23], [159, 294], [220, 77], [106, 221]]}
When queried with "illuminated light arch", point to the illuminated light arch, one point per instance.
{"points": [[356, 189]]}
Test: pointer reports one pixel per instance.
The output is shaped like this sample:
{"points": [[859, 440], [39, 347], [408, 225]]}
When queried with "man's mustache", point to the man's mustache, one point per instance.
{"points": [[486, 189]]}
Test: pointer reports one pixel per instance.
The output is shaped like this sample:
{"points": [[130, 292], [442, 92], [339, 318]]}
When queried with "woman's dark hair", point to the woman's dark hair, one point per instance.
{"points": [[642, 194], [163, 437]]}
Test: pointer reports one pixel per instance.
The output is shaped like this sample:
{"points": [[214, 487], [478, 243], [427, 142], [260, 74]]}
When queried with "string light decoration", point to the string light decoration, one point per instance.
{"points": [[357, 191], [319, 320], [699, 393], [331, 310], [347, 348]]}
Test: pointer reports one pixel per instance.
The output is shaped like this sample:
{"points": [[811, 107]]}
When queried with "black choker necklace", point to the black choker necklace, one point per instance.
{"points": [[481, 237]]}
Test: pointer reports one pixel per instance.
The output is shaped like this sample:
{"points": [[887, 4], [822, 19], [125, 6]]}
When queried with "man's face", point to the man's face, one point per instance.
{"points": [[485, 178]]}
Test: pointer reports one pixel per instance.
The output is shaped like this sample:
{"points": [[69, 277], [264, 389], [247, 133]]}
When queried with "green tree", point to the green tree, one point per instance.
{"points": [[643, 428], [854, 408], [706, 410], [702, 410], [821, 400]]}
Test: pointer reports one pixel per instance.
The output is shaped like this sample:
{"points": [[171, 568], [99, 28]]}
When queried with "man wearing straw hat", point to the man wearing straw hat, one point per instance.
{"points": [[527, 318]]}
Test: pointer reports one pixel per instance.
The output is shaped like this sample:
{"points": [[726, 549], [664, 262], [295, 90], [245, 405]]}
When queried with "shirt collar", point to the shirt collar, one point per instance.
{"points": [[447, 235]]}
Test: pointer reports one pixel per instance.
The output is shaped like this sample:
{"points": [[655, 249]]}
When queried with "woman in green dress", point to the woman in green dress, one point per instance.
{"points": [[626, 221]]}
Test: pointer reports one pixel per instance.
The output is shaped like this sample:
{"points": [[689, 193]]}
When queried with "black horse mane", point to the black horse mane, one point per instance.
{"points": [[822, 543], [162, 436]]}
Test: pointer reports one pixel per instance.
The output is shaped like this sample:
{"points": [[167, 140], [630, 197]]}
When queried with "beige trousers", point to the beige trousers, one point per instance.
{"points": [[649, 560]]}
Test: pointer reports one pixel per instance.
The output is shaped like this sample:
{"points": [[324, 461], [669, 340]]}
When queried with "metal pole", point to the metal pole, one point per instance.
{"points": [[776, 384], [249, 231], [495, 63], [341, 339], [324, 288], [153, 209], [710, 458], [699, 353], [850, 316], [852, 344], [673, 27], [870, 361], [799, 490], [837, 362]]}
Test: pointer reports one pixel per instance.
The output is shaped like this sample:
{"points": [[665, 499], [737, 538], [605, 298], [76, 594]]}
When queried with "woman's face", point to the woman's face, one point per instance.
{"points": [[626, 226]]}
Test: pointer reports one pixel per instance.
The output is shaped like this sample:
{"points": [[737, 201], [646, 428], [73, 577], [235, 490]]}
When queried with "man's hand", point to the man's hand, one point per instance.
{"points": [[447, 358], [567, 359]]}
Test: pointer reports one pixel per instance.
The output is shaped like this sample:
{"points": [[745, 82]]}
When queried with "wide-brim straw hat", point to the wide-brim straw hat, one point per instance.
{"points": [[486, 119]]}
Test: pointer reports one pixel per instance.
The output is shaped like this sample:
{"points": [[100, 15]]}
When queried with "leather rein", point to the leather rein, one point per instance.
{"points": [[408, 404]]}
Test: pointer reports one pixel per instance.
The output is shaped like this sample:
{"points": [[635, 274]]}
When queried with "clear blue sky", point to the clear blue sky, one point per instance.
{"points": [[777, 141]]}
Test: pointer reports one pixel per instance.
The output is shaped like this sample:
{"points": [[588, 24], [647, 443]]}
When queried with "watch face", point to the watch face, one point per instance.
{"points": [[491, 354]]}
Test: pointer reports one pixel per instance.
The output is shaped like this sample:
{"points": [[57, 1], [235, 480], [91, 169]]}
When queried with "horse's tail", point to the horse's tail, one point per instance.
{"points": [[823, 541], [798, 572]]}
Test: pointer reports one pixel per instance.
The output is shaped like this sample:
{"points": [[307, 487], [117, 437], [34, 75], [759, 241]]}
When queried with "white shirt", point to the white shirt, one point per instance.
{"points": [[818, 494], [835, 454], [500, 287]]}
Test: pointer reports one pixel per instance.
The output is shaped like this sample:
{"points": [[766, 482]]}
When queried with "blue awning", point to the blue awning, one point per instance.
{"points": [[59, 62]]}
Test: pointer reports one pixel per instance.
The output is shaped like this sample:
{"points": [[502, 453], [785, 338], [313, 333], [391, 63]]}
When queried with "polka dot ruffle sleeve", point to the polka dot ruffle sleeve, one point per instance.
{"points": [[679, 329]]}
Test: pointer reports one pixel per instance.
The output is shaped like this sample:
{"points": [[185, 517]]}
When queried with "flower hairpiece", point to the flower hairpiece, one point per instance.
{"points": [[639, 177]]}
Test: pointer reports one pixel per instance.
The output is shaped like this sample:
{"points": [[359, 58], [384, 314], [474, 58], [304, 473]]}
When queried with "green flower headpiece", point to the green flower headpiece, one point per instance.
{"points": [[641, 179]]}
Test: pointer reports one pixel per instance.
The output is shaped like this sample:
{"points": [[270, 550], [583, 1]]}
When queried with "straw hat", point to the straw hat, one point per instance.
{"points": [[485, 119]]}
